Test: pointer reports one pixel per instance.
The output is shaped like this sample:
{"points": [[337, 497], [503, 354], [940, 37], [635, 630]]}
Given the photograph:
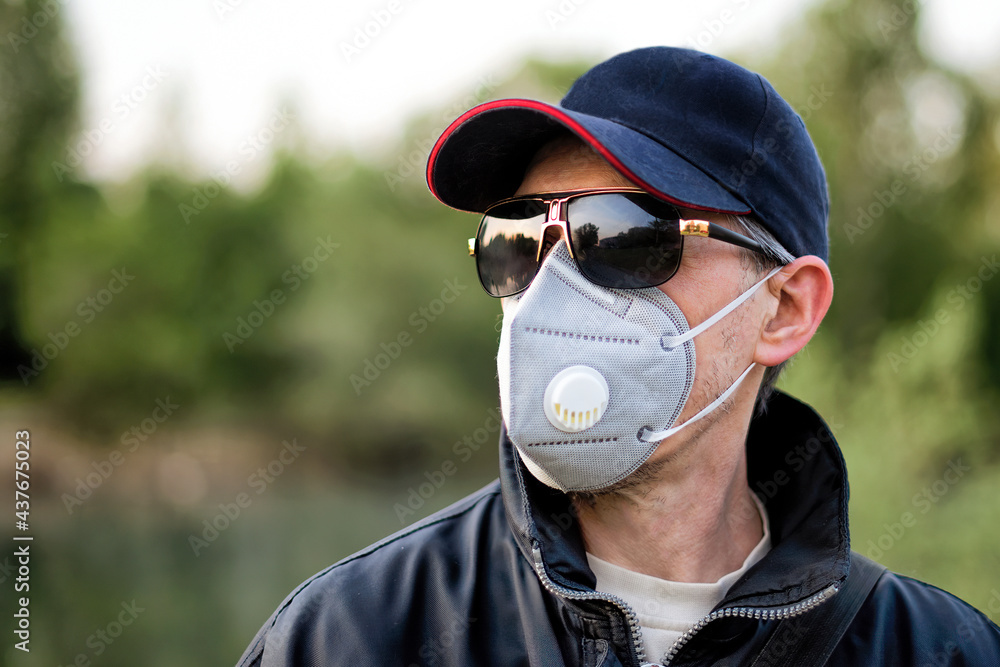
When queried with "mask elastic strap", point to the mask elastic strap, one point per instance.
{"points": [[670, 342], [646, 435]]}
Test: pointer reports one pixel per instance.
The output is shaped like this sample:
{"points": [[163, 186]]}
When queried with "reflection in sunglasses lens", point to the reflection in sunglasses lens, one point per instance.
{"points": [[625, 241], [508, 246]]}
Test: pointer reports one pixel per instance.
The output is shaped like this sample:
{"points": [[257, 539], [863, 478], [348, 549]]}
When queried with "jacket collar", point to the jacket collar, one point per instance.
{"points": [[795, 467]]}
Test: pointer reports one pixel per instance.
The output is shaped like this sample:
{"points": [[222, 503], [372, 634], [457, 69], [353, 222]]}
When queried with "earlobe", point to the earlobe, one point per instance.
{"points": [[804, 292]]}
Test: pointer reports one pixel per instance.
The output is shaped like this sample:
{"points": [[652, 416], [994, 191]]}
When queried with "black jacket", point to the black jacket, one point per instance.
{"points": [[501, 578]]}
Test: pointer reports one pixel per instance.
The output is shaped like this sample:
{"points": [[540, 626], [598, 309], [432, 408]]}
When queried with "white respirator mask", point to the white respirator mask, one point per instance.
{"points": [[593, 378]]}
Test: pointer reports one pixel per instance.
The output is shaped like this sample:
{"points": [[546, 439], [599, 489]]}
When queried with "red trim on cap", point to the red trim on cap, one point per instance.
{"points": [[559, 115]]}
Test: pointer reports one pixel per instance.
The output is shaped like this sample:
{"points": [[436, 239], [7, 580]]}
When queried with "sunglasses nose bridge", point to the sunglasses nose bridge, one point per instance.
{"points": [[555, 225]]}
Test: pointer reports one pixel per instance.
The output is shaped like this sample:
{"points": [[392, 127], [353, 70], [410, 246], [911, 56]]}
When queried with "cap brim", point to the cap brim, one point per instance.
{"points": [[481, 157]]}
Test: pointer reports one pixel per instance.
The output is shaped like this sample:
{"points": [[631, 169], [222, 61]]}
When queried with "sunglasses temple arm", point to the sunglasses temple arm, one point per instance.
{"points": [[720, 233]]}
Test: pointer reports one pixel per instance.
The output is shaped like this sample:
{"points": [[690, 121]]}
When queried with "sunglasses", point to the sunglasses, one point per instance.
{"points": [[621, 238]]}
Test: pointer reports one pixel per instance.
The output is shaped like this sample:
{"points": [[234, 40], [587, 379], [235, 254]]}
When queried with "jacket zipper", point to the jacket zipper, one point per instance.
{"points": [[562, 591], [772, 614]]}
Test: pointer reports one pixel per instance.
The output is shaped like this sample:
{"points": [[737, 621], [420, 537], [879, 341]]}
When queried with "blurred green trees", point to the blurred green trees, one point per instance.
{"points": [[38, 110]]}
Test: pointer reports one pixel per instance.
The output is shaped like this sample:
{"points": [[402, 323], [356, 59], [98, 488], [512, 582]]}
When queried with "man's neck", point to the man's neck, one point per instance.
{"points": [[692, 519]]}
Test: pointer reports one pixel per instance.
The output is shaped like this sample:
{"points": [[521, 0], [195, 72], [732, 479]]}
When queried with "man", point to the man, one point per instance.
{"points": [[659, 243]]}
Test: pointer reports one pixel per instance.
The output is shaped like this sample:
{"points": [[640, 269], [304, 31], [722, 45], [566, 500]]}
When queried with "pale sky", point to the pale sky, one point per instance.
{"points": [[227, 65]]}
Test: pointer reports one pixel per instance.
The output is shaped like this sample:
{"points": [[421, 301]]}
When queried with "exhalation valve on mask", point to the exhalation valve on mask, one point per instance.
{"points": [[591, 378], [576, 398]]}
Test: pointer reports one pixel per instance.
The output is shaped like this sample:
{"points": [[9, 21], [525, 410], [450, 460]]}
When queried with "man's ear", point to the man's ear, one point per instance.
{"points": [[802, 292]]}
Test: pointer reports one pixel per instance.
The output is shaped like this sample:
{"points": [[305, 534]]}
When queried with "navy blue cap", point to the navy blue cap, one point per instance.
{"points": [[686, 126]]}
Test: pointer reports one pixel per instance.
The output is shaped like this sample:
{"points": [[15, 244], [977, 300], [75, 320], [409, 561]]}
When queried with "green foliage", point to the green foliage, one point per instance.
{"points": [[38, 105]]}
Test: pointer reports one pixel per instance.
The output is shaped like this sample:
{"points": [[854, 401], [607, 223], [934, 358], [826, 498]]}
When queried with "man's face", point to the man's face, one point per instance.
{"points": [[711, 274]]}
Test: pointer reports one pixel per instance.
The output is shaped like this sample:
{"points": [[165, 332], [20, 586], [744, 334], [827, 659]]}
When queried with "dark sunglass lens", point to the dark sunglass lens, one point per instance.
{"points": [[625, 240], [508, 246]]}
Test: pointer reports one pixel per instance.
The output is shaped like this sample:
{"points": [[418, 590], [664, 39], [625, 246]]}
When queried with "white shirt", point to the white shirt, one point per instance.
{"points": [[666, 609]]}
